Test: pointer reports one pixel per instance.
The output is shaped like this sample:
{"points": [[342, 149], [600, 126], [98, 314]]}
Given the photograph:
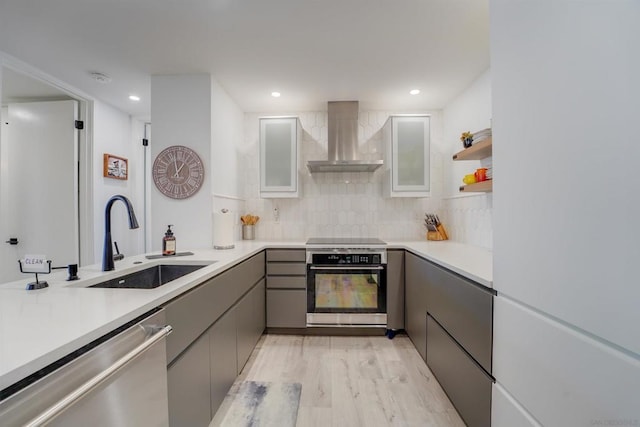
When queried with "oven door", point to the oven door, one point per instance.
{"points": [[346, 296]]}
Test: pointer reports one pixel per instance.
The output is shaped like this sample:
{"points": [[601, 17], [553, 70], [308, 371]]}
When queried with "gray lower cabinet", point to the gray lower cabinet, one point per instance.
{"points": [[216, 326], [193, 312], [464, 309], [416, 302], [468, 386], [449, 318], [395, 289], [286, 288], [223, 359], [189, 386]]}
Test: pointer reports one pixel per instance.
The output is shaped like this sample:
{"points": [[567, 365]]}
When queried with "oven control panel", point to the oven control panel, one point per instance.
{"points": [[347, 258]]}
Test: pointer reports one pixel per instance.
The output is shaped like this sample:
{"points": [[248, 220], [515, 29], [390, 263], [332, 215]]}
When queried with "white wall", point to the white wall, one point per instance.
{"points": [[565, 103], [468, 216], [115, 133], [331, 207], [227, 140], [181, 115]]}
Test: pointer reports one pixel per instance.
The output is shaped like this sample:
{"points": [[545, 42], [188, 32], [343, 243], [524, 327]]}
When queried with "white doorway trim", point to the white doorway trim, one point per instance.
{"points": [[85, 155]]}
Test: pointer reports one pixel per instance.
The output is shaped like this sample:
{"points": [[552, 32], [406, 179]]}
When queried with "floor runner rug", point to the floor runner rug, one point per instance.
{"points": [[260, 404]]}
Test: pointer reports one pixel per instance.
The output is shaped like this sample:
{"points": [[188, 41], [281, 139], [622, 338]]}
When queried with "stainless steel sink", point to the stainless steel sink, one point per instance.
{"points": [[151, 277]]}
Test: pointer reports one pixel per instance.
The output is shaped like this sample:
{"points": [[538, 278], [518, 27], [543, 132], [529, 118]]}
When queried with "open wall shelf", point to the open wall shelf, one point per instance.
{"points": [[477, 151], [484, 186]]}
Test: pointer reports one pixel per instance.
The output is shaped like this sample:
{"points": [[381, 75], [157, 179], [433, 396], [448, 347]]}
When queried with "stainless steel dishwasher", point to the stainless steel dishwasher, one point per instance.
{"points": [[118, 380]]}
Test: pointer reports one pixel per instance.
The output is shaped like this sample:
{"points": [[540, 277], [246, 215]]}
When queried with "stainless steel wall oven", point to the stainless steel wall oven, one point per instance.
{"points": [[346, 286]]}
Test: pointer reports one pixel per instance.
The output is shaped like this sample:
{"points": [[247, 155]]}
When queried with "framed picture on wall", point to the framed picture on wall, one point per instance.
{"points": [[115, 167]]}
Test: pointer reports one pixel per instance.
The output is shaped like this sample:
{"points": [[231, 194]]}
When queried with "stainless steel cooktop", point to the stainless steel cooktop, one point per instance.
{"points": [[345, 241]]}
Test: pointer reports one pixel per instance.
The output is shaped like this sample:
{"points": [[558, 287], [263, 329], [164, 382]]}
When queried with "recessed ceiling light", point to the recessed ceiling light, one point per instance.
{"points": [[100, 77], [275, 94], [414, 91], [134, 97]]}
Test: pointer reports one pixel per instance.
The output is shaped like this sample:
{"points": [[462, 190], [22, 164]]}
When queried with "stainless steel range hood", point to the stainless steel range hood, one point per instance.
{"points": [[343, 142]]}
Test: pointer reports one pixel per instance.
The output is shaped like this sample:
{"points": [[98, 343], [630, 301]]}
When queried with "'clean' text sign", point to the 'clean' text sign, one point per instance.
{"points": [[35, 264]]}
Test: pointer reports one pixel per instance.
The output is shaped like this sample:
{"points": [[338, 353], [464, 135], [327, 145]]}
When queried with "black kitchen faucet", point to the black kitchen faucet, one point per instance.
{"points": [[107, 252]]}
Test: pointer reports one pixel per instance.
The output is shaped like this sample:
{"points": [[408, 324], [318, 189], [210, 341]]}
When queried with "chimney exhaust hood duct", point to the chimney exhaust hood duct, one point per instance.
{"points": [[343, 142]]}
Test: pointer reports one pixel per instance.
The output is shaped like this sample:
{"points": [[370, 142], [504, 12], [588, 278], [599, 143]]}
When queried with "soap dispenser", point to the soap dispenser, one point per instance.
{"points": [[169, 242]]}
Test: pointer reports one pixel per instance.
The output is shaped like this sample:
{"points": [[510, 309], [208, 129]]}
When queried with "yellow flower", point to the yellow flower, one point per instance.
{"points": [[466, 135]]}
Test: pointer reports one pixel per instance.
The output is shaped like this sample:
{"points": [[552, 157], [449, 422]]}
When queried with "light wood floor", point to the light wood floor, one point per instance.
{"points": [[354, 381]]}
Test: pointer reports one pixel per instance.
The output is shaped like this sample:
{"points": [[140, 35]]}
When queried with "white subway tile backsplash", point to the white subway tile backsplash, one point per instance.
{"points": [[469, 219]]}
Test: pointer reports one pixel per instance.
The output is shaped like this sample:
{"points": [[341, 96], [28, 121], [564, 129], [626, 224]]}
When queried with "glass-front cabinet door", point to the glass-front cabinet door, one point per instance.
{"points": [[407, 161], [279, 156]]}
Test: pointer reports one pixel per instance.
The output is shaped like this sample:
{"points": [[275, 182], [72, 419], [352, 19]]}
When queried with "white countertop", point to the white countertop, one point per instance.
{"points": [[472, 262], [39, 327]]}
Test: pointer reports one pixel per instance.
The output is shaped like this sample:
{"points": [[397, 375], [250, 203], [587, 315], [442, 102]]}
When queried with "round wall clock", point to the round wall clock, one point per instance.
{"points": [[178, 172]]}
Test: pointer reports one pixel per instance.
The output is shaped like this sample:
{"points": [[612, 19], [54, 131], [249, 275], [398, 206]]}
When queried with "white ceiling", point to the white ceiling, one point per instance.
{"points": [[312, 51], [18, 87]]}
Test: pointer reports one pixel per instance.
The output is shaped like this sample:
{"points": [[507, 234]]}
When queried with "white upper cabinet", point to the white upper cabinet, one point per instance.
{"points": [[279, 157], [407, 159]]}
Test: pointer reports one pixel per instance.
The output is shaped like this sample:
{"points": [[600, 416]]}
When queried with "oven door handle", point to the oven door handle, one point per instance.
{"points": [[377, 267]]}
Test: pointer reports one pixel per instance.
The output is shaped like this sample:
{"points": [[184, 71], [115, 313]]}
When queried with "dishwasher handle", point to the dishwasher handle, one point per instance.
{"points": [[63, 404]]}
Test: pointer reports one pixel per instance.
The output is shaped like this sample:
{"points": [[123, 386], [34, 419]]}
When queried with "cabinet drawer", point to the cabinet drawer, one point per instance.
{"points": [[286, 268], [466, 384], [286, 308], [286, 255], [287, 282], [464, 309]]}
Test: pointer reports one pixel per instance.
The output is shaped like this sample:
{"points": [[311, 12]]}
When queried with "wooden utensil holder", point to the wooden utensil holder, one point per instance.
{"points": [[441, 234]]}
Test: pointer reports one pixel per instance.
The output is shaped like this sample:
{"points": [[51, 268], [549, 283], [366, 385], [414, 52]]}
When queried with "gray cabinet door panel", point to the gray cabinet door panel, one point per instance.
{"points": [[189, 386], [416, 302], [259, 312], [244, 275], [250, 321], [287, 282], [238, 280], [395, 289], [286, 308], [286, 268], [192, 313], [286, 255], [466, 384], [243, 332], [464, 309], [223, 359]]}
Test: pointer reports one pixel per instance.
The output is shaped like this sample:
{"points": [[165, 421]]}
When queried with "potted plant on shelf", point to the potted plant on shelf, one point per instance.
{"points": [[467, 139]]}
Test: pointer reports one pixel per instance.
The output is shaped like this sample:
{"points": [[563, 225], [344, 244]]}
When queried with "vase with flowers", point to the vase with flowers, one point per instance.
{"points": [[467, 139]]}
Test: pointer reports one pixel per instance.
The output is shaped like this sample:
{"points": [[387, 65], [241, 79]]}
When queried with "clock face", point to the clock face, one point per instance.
{"points": [[178, 172]]}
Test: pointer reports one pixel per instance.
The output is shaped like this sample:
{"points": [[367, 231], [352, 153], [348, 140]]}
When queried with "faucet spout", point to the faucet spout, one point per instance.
{"points": [[107, 252]]}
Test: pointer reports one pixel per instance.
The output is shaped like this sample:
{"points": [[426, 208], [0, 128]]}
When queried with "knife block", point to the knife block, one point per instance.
{"points": [[441, 234]]}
